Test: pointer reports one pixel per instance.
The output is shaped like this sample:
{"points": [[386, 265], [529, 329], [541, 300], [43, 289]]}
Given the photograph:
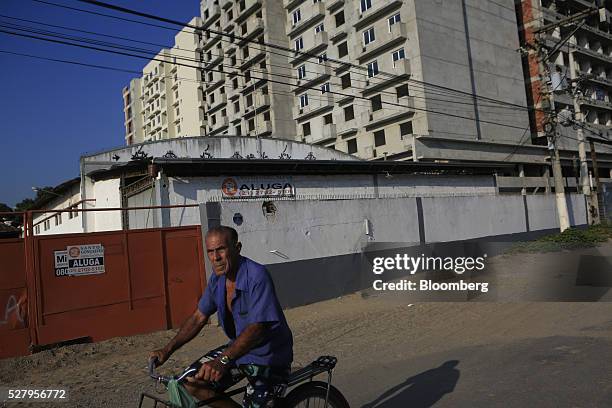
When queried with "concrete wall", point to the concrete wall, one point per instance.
{"points": [[470, 45], [194, 190], [317, 250], [148, 218], [60, 223], [107, 196]]}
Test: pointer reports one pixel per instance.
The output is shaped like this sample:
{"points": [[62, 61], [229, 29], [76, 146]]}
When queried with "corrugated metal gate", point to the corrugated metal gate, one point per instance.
{"points": [[153, 279]]}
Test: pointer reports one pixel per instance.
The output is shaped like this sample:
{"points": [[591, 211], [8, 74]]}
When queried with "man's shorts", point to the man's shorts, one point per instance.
{"points": [[264, 382]]}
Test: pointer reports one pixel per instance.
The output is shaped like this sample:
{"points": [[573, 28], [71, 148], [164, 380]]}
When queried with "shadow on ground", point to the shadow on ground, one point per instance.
{"points": [[421, 390]]}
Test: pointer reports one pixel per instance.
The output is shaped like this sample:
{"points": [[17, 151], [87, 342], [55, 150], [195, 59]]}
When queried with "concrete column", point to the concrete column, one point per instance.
{"points": [[522, 175], [547, 179]]}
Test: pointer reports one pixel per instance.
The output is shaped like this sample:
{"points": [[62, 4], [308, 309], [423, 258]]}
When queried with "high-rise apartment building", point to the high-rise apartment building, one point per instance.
{"points": [[582, 68], [246, 85], [395, 79], [167, 101]]}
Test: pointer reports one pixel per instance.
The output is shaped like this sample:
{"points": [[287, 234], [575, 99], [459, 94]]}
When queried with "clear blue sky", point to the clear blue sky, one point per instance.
{"points": [[51, 113]]}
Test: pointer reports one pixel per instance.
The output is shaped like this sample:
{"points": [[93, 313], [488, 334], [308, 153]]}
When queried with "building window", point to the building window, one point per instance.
{"points": [[376, 103], [319, 28], [306, 129], [238, 130], [349, 113], [299, 44], [345, 81], [211, 98], [249, 99], [235, 83], [233, 60], [251, 125], [58, 218], [236, 106], [339, 18], [213, 119], [398, 55], [266, 115], [247, 76], [322, 58], [296, 16], [301, 72], [325, 88], [47, 225], [372, 68], [379, 138], [406, 129], [327, 119], [351, 146], [178, 128], [394, 19], [402, 91], [230, 15], [365, 5], [37, 229], [245, 52], [303, 100], [342, 49], [368, 36]]}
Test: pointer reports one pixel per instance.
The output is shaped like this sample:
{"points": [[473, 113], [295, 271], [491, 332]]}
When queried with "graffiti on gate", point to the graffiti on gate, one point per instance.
{"points": [[14, 311]]}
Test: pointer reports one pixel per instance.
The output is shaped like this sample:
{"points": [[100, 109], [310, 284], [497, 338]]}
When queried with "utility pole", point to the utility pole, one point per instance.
{"points": [[578, 115], [552, 133]]}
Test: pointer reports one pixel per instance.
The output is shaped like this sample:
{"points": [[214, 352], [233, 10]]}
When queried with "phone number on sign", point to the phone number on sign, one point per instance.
{"points": [[34, 394]]}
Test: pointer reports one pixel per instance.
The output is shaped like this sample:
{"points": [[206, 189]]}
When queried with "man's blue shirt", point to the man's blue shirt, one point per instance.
{"points": [[254, 301]]}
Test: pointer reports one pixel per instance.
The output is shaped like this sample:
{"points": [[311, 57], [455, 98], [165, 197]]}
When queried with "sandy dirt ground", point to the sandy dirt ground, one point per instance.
{"points": [[392, 353]]}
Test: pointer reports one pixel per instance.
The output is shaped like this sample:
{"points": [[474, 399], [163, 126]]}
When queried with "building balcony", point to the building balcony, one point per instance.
{"points": [[221, 125], [218, 78], [325, 134], [314, 73], [254, 27], [317, 103], [260, 103], [594, 54], [386, 40], [317, 15], [321, 39], [381, 116], [291, 4], [214, 11], [378, 10], [255, 55], [207, 43], [246, 8], [596, 103], [262, 127], [225, 4], [401, 72], [221, 101], [260, 75]]}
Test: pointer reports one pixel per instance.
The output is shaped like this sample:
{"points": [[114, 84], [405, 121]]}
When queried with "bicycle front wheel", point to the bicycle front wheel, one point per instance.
{"points": [[312, 395]]}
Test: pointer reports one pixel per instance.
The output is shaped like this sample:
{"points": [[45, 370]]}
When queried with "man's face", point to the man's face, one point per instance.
{"points": [[222, 254]]}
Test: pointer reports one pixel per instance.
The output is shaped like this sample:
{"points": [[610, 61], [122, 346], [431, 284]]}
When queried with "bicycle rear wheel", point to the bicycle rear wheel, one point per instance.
{"points": [[312, 395]]}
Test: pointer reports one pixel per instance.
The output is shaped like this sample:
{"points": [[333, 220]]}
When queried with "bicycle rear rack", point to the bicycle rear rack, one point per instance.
{"points": [[323, 364]]}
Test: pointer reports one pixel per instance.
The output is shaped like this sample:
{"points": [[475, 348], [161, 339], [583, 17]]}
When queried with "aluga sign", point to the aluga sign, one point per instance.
{"points": [[235, 187]]}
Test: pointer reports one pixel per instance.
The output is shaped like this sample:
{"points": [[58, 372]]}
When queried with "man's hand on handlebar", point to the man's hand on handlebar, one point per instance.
{"points": [[210, 371], [160, 356]]}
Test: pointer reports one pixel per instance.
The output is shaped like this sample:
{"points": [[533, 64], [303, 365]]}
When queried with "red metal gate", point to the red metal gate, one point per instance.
{"points": [[152, 280], [14, 332]]}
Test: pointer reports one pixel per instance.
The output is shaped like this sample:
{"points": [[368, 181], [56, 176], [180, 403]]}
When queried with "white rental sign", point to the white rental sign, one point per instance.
{"points": [[79, 260]]}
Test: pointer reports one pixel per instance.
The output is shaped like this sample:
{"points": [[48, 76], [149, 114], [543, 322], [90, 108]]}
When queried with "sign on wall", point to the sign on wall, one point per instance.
{"points": [[257, 187], [78, 260]]}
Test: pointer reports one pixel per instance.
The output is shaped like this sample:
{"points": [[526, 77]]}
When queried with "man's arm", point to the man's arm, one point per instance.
{"points": [[189, 329], [250, 337]]}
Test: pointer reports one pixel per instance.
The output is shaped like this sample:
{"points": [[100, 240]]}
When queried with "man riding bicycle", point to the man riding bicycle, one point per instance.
{"points": [[261, 344]]}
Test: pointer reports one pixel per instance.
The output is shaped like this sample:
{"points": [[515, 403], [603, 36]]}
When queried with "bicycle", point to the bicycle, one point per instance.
{"points": [[307, 392]]}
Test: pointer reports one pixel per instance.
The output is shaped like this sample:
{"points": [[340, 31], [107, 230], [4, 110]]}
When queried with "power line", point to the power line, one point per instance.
{"points": [[270, 45], [242, 75]]}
